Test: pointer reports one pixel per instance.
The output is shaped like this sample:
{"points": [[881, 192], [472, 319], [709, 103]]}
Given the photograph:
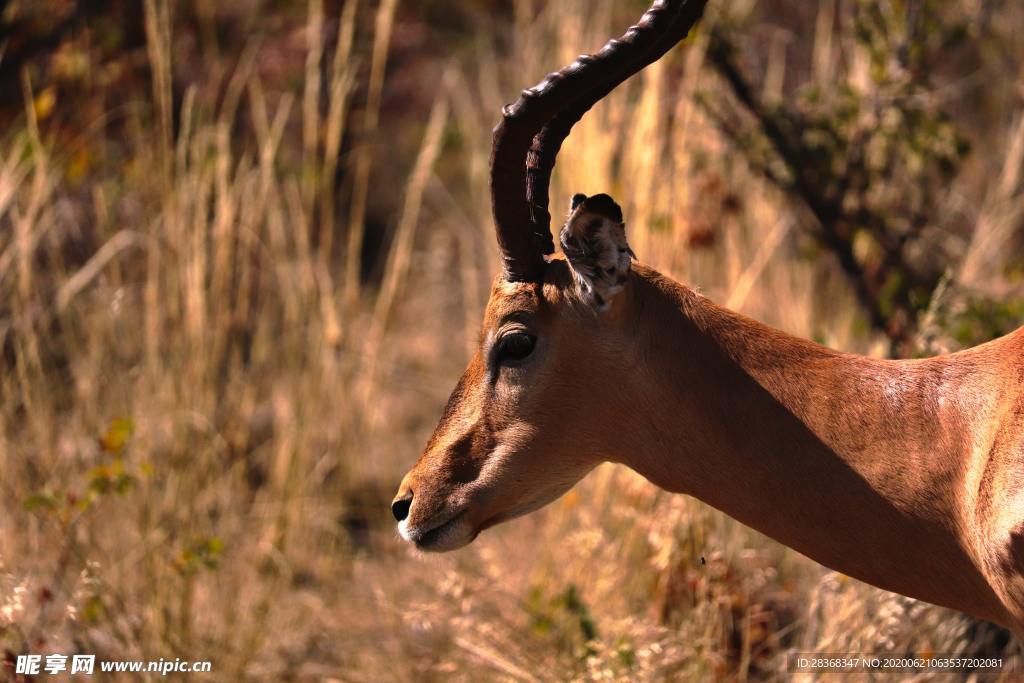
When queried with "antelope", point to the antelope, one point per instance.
{"points": [[905, 474]]}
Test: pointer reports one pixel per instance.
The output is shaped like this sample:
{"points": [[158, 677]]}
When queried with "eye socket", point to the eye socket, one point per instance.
{"points": [[515, 346]]}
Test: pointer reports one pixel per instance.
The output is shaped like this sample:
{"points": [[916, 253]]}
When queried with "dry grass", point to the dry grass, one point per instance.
{"points": [[203, 420]]}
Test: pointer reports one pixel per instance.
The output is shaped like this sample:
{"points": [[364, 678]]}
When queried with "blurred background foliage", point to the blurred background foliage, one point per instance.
{"points": [[244, 250]]}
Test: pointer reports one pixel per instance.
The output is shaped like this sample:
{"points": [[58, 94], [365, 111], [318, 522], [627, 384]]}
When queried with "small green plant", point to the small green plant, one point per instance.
{"points": [[563, 617], [113, 475], [200, 554]]}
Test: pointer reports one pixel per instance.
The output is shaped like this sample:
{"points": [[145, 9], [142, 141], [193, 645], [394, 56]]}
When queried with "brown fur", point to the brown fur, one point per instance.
{"points": [[908, 475]]}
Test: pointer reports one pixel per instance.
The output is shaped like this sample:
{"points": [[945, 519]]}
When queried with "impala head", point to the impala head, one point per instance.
{"points": [[521, 426]]}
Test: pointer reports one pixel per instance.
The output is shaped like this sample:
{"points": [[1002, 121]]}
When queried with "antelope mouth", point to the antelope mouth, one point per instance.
{"points": [[449, 535]]}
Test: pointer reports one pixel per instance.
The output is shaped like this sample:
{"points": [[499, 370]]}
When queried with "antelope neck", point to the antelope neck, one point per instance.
{"points": [[871, 467]]}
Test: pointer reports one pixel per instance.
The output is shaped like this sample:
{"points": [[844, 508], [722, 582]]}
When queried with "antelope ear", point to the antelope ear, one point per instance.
{"points": [[594, 242]]}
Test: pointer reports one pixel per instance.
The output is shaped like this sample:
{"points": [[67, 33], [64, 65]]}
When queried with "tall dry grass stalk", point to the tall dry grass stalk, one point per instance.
{"points": [[999, 218], [400, 259], [383, 24]]}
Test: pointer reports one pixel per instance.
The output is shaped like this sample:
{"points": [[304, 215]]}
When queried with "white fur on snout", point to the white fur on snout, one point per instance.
{"points": [[450, 535], [441, 532]]}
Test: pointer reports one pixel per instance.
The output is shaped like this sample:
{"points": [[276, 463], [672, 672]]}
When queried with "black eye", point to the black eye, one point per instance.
{"points": [[515, 346]]}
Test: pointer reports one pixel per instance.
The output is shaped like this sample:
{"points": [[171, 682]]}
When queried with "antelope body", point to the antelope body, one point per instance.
{"points": [[908, 475]]}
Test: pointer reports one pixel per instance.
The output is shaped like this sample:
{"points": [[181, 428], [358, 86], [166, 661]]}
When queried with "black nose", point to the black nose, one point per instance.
{"points": [[400, 508]]}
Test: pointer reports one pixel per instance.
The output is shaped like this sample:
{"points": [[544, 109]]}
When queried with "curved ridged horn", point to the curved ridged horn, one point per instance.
{"points": [[531, 130]]}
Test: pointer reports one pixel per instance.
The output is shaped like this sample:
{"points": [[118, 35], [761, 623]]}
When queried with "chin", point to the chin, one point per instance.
{"points": [[451, 535], [459, 531]]}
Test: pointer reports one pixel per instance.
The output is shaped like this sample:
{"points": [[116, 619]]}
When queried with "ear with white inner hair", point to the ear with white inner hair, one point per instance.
{"points": [[594, 241]]}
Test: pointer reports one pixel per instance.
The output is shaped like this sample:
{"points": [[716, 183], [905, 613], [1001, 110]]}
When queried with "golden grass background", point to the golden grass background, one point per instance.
{"points": [[204, 416]]}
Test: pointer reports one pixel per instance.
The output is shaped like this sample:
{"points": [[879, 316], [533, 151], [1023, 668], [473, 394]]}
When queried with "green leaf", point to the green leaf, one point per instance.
{"points": [[93, 609], [40, 501], [118, 433]]}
